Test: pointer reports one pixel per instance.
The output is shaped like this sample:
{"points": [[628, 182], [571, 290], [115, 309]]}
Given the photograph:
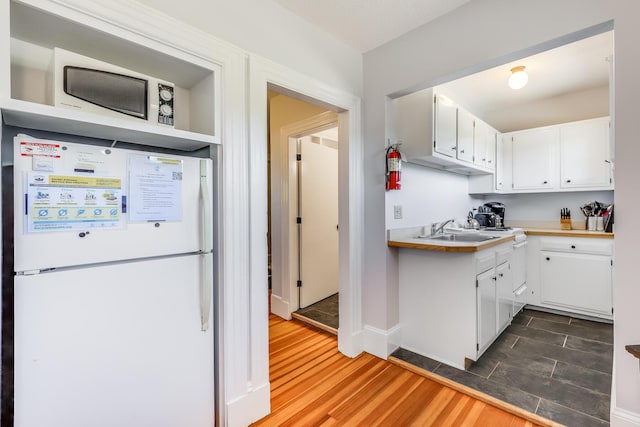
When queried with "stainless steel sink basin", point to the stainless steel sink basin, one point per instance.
{"points": [[464, 237]]}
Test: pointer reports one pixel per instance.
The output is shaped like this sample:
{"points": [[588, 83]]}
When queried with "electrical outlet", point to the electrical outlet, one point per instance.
{"points": [[397, 212]]}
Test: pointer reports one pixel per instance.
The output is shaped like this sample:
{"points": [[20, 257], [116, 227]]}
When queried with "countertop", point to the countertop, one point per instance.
{"points": [[567, 233], [407, 238]]}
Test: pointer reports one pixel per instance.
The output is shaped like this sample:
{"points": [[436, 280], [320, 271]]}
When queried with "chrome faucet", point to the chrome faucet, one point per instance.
{"points": [[439, 227]]}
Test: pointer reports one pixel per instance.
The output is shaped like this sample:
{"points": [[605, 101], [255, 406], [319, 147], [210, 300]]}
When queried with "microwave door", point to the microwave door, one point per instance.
{"points": [[117, 92]]}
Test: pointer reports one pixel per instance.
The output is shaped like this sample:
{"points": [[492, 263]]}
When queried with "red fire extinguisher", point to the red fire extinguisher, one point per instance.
{"points": [[393, 161]]}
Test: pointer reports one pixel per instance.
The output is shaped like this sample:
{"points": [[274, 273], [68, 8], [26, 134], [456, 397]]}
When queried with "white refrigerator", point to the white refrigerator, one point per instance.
{"points": [[113, 287]]}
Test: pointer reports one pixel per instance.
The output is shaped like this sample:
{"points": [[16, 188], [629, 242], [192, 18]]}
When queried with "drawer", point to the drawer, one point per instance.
{"points": [[503, 254], [485, 260], [577, 245]]}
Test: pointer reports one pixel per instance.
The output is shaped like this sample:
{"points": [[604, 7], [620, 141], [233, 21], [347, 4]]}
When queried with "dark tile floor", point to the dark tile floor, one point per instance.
{"points": [[556, 366], [324, 311]]}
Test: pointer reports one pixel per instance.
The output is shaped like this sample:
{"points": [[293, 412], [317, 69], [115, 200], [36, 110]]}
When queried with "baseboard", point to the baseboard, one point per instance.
{"points": [[623, 418], [280, 308], [251, 407], [381, 343]]}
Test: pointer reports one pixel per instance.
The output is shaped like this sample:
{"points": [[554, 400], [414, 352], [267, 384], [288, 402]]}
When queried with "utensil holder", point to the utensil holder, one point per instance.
{"points": [[565, 223]]}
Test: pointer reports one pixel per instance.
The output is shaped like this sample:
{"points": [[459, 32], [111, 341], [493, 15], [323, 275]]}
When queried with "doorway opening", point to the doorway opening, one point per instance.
{"points": [[303, 244]]}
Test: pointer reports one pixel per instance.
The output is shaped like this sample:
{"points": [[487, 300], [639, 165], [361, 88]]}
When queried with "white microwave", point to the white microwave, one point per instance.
{"points": [[87, 84]]}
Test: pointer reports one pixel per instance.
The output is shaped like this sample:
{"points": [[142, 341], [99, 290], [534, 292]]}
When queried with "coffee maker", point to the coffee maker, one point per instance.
{"points": [[498, 210]]}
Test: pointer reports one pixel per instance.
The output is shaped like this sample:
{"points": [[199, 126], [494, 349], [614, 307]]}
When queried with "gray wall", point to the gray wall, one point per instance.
{"points": [[477, 36]]}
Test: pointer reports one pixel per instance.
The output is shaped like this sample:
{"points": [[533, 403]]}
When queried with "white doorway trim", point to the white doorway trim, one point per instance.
{"points": [[263, 73], [284, 255]]}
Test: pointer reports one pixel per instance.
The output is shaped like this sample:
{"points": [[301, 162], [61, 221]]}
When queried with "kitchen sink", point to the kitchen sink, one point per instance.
{"points": [[464, 237]]}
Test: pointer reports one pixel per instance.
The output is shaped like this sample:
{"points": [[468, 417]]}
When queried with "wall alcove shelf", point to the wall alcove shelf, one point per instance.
{"points": [[633, 349]]}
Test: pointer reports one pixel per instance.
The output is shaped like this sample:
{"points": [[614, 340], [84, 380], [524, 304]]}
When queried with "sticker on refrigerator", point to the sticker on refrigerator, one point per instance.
{"points": [[72, 202], [155, 188], [39, 148]]}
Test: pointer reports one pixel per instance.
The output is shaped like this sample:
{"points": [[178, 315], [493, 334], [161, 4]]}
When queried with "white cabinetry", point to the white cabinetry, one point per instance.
{"points": [[534, 155], [463, 295], [572, 156], [445, 120], [434, 132], [465, 136], [37, 27], [572, 274], [487, 313], [584, 154], [484, 149]]}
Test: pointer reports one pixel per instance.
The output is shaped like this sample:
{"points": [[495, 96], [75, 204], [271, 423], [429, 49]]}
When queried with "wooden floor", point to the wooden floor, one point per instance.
{"points": [[312, 384]]}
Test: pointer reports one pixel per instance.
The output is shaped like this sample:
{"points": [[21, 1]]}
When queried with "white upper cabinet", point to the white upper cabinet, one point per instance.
{"points": [[465, 136], [484, 149], [572, 156], [434, 132], [101, 33], [534, 154], [445, 126], [584, 153]]}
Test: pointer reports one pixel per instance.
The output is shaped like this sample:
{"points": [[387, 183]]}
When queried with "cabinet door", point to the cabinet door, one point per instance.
{"points": [[465, 136], [480, 132], [486, 301], [534, 157], [584, 153], [578, 281], [491, 144], [445, 122], [503, 163], [504, 291]]}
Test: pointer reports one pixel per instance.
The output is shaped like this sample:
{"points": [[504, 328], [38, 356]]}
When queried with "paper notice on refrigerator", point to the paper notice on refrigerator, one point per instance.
{"points": [[155, 188], [72, 202]]}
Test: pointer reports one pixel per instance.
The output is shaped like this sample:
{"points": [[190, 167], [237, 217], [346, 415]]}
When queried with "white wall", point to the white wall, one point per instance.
{"points": [[480, 35], [546, 206], [427, 196], [267, 29]]}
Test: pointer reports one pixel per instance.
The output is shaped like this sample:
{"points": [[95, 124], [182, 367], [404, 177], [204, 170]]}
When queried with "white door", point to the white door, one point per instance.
{"points": [[318, 207]]}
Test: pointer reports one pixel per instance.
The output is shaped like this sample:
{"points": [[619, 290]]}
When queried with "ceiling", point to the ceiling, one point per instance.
{"points": [[575, 68], [555, 74], [367, 24]]}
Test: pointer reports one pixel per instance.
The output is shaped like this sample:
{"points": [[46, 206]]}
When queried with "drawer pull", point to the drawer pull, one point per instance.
{"points": [[573, 246], [548, 259]]}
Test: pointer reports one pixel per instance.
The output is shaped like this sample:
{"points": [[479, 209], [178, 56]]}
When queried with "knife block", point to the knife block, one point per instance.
{"points": [[565, 223]]}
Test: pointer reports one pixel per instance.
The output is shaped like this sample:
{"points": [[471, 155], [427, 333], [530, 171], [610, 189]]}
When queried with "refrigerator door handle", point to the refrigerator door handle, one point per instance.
{"points": [[207, 239]]}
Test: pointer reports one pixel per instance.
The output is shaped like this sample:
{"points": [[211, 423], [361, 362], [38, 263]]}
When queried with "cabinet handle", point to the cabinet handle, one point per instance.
{"points": [[489, 161], [494, 278], [454, 148], [568, 181], [545, 182], [548, 259], [461, 151], [501, 274], [573, 246]]}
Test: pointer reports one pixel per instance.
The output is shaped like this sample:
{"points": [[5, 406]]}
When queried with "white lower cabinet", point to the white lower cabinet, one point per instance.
{"points": [[454, 305], [487, 313], [572, 274], [576, 281], [494, 297]]}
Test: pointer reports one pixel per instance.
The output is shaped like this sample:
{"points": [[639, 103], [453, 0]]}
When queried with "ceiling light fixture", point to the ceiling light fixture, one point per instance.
{"points": [[518, 78]]}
